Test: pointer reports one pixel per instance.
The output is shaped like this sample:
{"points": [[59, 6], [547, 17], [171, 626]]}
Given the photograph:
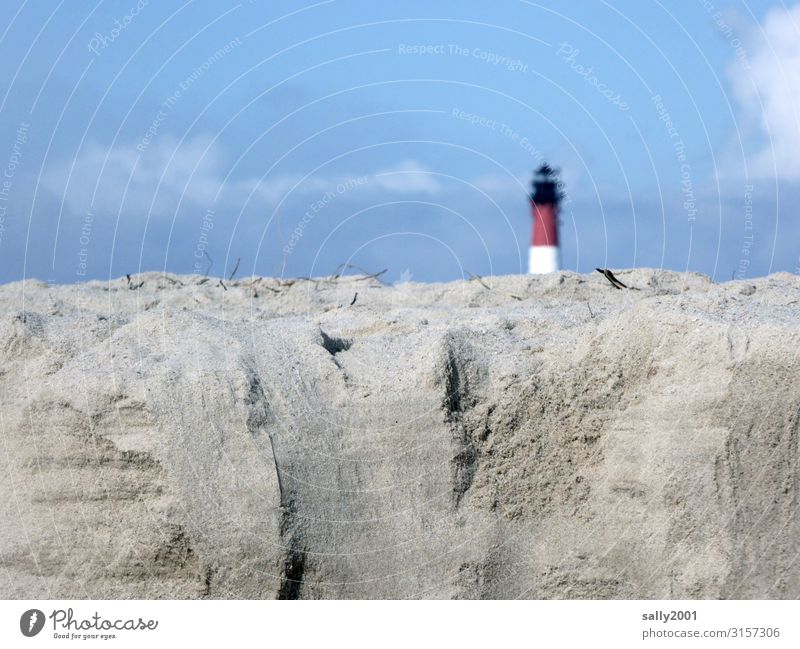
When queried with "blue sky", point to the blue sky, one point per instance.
{"points": [[297, 136]]}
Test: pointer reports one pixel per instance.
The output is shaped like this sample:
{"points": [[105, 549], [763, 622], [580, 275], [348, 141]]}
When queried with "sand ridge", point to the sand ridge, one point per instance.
{"points": [[541, 437]]}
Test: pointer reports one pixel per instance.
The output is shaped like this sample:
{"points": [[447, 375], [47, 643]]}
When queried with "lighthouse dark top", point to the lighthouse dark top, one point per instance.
{"points": [[544, 257]]}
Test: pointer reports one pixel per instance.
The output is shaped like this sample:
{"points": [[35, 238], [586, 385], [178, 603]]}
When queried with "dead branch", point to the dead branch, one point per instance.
{"points": [[367, 275], [473, 276], [235, 268], [373, 276]]}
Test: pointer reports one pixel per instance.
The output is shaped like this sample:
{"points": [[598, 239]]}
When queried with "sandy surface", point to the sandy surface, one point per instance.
{"points": [[546, 437]]}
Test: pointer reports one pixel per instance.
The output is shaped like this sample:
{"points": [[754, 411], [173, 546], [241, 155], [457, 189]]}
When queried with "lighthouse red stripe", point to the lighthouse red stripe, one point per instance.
{"points": [[545, 229]]}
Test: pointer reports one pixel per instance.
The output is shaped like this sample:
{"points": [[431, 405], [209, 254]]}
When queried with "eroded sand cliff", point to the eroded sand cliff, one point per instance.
{"points": [[544, 437]]}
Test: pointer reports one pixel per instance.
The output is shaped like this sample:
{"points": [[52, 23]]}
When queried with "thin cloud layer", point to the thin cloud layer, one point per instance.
{"points": [[768, 89], [125, 180]]}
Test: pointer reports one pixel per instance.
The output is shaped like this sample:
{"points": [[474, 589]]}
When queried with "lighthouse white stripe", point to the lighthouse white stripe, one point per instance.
{"points": [[543, 259]]}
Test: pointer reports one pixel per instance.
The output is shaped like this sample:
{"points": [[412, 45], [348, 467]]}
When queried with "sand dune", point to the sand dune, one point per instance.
{"points": [[547, 437]]}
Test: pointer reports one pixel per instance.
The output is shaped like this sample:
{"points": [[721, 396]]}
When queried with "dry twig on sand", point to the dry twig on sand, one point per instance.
{"points": [[473, 276], [614, 281], [235, 268], [367, 275]]}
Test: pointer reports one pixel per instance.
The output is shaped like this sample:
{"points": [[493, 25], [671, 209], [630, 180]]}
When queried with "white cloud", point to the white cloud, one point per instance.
{"points": [[97, 178], [274, 188], [768, 87], [408, 177], [192, 172]]}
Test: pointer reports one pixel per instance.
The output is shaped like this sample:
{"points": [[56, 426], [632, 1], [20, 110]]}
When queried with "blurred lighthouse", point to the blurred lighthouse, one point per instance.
{"points": [[544, 254]]}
